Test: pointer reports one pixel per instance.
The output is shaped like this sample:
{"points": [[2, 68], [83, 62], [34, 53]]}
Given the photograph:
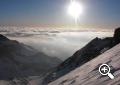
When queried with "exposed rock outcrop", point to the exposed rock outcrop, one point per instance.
{"points": [[116, 37]]}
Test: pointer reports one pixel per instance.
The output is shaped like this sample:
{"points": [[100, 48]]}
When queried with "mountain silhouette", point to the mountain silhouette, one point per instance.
{"points": [[18, 60]]}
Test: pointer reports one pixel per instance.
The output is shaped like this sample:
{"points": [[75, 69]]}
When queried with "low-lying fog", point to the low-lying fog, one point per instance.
{"points": [[57, 44]]}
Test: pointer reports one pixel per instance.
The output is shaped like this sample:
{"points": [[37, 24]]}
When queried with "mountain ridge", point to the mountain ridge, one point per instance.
{"points": [[19, 60]]}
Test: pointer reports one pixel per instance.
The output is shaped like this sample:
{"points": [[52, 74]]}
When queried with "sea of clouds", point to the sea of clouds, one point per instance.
{"points": [[55, 43]]}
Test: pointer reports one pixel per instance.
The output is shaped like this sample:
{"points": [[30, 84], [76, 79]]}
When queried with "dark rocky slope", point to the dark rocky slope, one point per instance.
{"points": [[18, 60]]}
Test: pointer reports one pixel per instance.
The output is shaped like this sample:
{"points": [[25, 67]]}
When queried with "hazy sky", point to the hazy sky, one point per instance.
{"points": [[96, 12]]}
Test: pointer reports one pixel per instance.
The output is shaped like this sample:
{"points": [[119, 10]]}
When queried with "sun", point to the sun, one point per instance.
{"points": [[75, 9]]}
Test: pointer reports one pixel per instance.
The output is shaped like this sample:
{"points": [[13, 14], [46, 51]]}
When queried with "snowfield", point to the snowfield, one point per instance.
{"points": [[88, 74]]}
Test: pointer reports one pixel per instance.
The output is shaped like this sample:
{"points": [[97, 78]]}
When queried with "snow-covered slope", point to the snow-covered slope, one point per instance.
{"points": [[88, 73]]}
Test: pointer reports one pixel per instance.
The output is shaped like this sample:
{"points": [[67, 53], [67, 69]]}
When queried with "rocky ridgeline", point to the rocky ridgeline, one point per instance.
{"points": [[18, 60]]}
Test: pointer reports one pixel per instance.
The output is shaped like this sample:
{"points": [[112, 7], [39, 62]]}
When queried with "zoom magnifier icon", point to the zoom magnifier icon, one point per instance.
{"points": [[104, 69]]}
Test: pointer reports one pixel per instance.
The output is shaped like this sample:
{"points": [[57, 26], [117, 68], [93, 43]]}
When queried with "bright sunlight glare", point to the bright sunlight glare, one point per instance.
{"points": [[75, 9]]}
